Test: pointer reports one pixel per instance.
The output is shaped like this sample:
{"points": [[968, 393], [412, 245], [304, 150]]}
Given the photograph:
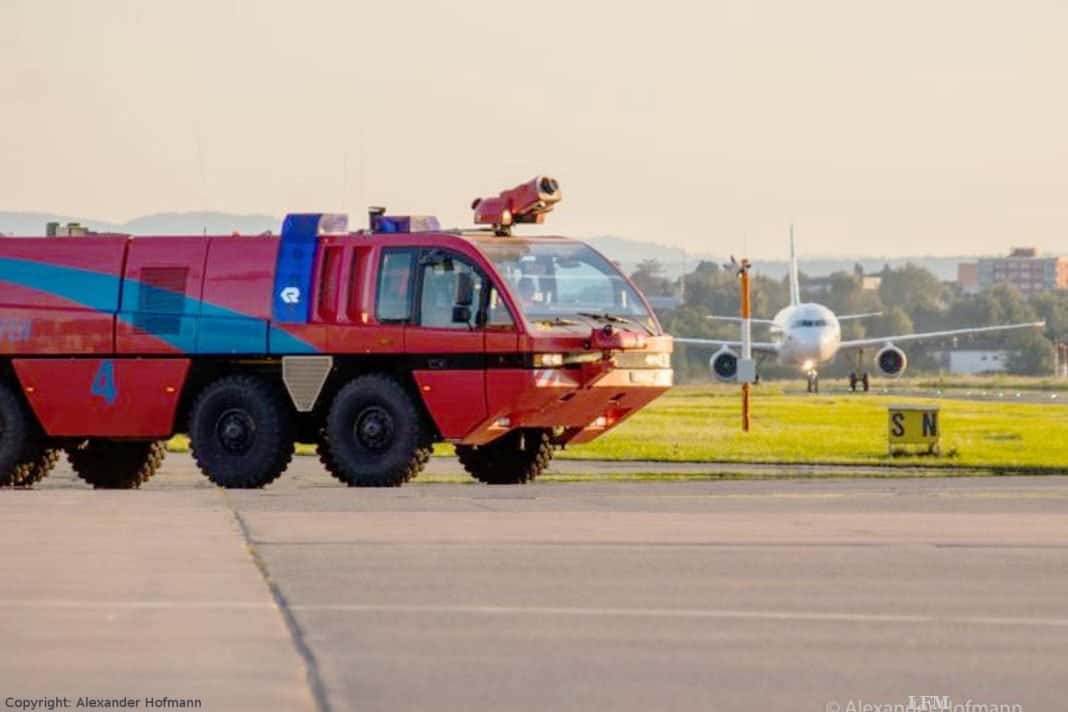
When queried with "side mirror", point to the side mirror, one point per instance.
{"points": [[465, 290], [461, 314]]}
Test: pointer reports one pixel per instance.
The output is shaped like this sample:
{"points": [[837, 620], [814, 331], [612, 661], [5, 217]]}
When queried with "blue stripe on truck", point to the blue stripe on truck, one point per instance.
{"points": [[204, 328]]}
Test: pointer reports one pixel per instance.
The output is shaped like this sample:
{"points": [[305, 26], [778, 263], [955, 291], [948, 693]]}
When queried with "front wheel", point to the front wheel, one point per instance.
{"points": [[513, 459], [241, 432], [375, 435], [116, 464]]}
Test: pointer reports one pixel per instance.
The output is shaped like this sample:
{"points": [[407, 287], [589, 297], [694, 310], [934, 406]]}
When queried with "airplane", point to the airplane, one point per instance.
{"points": [[805, 335]]}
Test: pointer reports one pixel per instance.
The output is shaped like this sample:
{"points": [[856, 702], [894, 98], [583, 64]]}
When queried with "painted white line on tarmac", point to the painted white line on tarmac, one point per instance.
{"points": [[684, 613], [146, 605], [770, 615]]}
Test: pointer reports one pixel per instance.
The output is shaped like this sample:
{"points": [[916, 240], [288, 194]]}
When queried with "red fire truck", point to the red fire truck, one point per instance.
{"points": [[374, 345]]}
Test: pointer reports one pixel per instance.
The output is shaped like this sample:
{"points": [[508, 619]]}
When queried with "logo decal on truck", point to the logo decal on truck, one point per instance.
{"points": [[15, 331], [290, 295]]}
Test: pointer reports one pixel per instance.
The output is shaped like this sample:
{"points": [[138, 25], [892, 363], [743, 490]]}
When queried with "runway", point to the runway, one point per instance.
{"points": [[1001, 395], [797, 594]]}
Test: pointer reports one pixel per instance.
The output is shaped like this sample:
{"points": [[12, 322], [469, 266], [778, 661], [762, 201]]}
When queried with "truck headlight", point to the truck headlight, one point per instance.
{"points": [[660, 360], [548, 360]]}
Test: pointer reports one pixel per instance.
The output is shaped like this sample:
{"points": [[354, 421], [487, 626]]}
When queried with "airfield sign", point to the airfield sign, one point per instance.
{"points": [[909, 425]]}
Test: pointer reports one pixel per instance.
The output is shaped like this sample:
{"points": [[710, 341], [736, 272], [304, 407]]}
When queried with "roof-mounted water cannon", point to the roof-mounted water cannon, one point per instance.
{"points": [[526, 203]]}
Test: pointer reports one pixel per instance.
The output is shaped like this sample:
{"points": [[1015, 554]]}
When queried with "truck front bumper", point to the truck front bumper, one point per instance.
{"points": [[577, 404]]}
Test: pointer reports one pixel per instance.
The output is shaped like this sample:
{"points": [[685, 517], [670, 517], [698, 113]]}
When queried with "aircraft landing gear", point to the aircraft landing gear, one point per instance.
{"points": [[813, 382], [861, 380]]}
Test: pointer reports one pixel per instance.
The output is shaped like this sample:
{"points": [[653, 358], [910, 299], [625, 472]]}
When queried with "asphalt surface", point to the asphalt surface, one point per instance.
{"points": [[798, 594]]}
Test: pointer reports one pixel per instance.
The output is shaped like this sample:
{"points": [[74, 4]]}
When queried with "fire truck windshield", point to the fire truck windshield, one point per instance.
{"points": [[557, 282]]}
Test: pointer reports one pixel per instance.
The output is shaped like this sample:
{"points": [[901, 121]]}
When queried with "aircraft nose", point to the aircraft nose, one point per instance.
{"points": [[828, 340]]}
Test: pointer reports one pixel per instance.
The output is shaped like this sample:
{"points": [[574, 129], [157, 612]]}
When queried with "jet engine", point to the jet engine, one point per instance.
{"points": [[891, 361], [724, 365]]}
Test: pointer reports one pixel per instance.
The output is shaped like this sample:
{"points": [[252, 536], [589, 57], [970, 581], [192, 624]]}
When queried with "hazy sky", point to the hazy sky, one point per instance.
{"points": [[911, 127]]}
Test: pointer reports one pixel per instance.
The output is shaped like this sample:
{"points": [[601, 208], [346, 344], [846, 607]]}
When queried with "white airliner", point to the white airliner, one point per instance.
{"points": [[805, 335]]}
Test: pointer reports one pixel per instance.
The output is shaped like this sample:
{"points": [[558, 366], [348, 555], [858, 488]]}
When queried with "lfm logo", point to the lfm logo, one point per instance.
{"points": [[290, 295]]}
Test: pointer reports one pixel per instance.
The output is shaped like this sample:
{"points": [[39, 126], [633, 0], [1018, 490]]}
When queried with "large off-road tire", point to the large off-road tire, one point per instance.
{"points": [[117, 464], [513, 459], [31, 471], [21, 441], [323, 449], [241, 432], [375, 435], [424, 454]]}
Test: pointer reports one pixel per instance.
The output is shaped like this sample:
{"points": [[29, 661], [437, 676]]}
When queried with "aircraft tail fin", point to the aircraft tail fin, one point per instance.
{"points": [[795, 285]]}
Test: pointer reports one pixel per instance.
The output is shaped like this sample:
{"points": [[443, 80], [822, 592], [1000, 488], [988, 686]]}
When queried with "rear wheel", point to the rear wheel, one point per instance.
{"points": [[516, 458], [241, 432], [375, 435], [29, 472], [21, 442], [117, 464]]}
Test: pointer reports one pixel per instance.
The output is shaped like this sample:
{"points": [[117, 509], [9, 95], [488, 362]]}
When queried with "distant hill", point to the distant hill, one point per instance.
{"points": [[631, 252], [628, 253], [185, 223], [30, 224]]}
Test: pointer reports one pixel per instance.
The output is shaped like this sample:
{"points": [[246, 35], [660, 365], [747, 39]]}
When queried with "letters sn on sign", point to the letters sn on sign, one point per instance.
{"points": [[910, 425]]}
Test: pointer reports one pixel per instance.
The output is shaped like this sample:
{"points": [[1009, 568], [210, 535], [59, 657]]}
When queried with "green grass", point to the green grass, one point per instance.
{"points": [[180, 443], [989, 383], [703, 424]]}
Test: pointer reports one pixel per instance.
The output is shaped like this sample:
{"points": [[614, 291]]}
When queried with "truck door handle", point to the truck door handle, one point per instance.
{"points": [[436, 363]]}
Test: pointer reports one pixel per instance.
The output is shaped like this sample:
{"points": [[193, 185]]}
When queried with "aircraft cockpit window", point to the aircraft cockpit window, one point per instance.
{"points": [[803, 323]]}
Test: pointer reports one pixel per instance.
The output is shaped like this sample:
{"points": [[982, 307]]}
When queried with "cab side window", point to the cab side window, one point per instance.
{"points": [[497, 315], [393, 301], [451, 291]]}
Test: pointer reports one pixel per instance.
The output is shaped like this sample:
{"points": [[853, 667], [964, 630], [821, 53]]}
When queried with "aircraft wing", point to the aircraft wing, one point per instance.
{"points": [[766, 347], [849, 317], [738, 319], [882, 341]]}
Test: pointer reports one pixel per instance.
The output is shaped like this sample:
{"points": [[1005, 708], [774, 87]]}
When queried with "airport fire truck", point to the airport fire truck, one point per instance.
{"points": [[373, 345]]}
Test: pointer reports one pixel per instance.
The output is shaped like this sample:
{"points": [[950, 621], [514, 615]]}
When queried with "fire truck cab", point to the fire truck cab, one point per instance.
{"points": [[373, 345]]}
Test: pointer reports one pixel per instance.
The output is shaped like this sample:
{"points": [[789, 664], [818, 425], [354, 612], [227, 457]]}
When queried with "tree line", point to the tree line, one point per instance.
{"points": [[910, 298]]}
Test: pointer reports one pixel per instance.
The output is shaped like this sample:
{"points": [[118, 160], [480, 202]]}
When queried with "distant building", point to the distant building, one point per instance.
{"points": [[965, 362], [814, 286], [968, 277], [817, 286], [54, 229], [1023, 269]]}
